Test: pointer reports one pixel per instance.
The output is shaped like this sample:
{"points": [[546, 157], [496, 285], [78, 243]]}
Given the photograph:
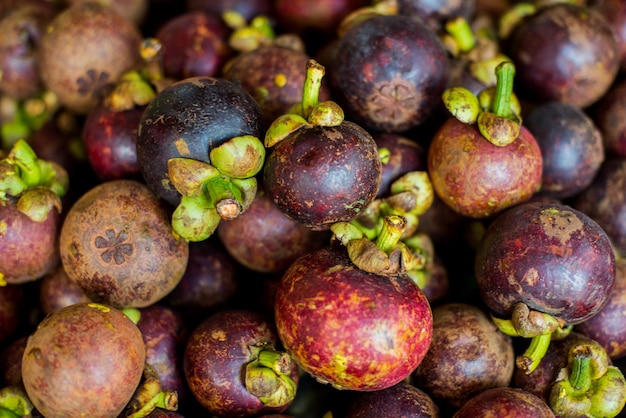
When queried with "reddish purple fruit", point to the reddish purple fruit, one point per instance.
{"points": [[505, 402], [401, 400], [352, 329], [553, 258]]}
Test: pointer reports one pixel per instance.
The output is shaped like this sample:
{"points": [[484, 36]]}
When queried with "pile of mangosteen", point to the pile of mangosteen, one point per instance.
{"points": [[312, 209]]}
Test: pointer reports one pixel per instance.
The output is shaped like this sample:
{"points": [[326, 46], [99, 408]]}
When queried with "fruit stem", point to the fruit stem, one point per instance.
{"points": [[312, 84], [505, 72], [535, 352], [268, 378], [462, 33], [392, 229]]}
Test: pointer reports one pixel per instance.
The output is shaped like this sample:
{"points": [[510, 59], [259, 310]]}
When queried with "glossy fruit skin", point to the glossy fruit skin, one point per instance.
{"points": [[263, 239], [117, 243], [607, 326], [478, 179], [84, 359], [389, 72], [110, 140], [564, 52], [552, 257], [100, 44], [467, 355], [571, 147], [506, 402], [401, 400], [216, 354], [405, 155], [28, 249], [614, 11], [604, 201], [349, 328], [321, 175], [187, 119]]}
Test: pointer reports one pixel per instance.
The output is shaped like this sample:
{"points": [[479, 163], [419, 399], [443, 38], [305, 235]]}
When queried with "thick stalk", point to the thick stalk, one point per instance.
{"points": [[312, 84]]}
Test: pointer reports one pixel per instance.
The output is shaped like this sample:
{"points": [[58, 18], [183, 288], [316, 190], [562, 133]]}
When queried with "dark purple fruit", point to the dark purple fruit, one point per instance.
{"points": [[227, 365], [352, 329], [110, 140], [564, 52], [274, 76], [263, 239], [118, 245], [321, 17], [550, 256], [85, 359], [84, 52], [604, 202], [466, 356], [22, 29], [248, 9], [188, 119], [193, 44], [56, 291], [607, 326], [209, 280], [507, 402], [436, 13], [401, 400], [12, 299], [571, 147], [609, 115], [320, 175], [614, 11], [389, 73]]}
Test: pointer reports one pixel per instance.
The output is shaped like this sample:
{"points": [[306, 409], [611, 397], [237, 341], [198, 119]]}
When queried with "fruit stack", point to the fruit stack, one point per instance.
{"points": [[286, 208]]}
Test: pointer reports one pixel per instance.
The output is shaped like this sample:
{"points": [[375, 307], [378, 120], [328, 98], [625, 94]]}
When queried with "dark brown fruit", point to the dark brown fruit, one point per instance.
{"points": [[466, 356], [402, 400], [84, 360], [609, 115], [505, 402], [85, 50], [56, 291], [118, 245], [405, 155], [12, 300]]}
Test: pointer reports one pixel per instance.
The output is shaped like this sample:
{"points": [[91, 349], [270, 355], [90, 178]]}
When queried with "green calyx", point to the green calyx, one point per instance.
{"points": [[131, 90], [14, 402], [309, 112], [248, 36], [540, 327], [37, 184], [268, 377], [495, 110], [149, 395], [20, 118], [589, 386], [210, 194]]}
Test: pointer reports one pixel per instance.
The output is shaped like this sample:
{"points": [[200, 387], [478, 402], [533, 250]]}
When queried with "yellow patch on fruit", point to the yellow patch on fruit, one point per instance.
{"points": [[99, 307], [280, 80], [2, 281]]}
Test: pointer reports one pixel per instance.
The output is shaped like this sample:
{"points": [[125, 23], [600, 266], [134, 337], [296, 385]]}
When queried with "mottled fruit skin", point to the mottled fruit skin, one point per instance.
{"points": [[389, 72], [85, 50], [478, 179], [215, 358], [28, 249], [274, 76], [187, 119], [193, 44], [401, 400], [57, 290], [22, 29], [605, 202], [614, 11], [165, 334], [349, 328], [263, 239], [609, 115], [505, 402], [548, 255], [110, 140], [84, 360], [571, 146], [117, 243], [467, 355], [321, 175], [564, 52], [607, 326]]}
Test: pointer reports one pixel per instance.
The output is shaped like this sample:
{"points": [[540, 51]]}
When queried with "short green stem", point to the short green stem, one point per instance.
{"points": [[535, 352], [462, 33], [312, 85], [505, 72], [392, 229], [580, 375]]}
